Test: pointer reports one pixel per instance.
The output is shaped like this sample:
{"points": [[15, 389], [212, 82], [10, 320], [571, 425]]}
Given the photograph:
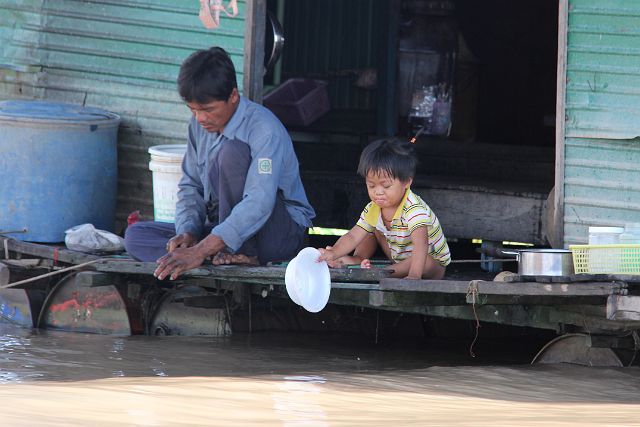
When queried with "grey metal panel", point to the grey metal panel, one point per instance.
{"points": [[333, 40], [602, 185], [120, 55], [602, 153], [603, 69]]}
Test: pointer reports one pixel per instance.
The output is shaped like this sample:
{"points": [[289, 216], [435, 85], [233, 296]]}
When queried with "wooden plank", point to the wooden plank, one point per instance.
{"points": [[547, 289], [543, 317], [238, 272], [503, 288], [431, 286], [583, 277], [43, 251], [536, 299], [396, 299], [623, 307]]}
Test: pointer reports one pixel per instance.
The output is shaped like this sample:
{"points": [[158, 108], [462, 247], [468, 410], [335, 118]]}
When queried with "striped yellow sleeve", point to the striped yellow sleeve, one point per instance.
{"points": [[369, 217]]}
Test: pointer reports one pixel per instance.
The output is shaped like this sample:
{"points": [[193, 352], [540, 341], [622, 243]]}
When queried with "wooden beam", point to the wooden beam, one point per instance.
{"points": [[556, 230], [530, 300], [623, 307], [244, 273], [43, 251], [255, 22], [382, 299], [542, 317], [504, 288]]}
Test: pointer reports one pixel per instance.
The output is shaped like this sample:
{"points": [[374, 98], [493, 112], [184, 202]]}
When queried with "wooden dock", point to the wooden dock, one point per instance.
{"points": [[601, 305]]}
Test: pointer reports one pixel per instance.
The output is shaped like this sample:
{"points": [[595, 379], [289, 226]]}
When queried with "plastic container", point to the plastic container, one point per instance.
{"points": [[605, 235], [308, 282], [58, 168], [631, 234], [606, 259], [166, 168], [299, 102]]}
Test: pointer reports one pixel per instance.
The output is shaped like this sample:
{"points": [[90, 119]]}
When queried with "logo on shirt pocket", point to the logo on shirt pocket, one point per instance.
{"points": [[264, 166]]}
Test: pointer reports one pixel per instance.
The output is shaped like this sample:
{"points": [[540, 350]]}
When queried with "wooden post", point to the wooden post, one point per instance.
{"points": [[556, 237], [255, 21]]}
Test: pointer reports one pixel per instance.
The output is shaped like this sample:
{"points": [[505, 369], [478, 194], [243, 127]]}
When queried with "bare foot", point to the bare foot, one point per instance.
{"points": [[366, 263], [236, 259]]}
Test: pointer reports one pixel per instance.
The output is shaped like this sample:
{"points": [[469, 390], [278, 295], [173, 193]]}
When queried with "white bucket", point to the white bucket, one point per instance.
{"points": [[166, 168], [605, 235]]}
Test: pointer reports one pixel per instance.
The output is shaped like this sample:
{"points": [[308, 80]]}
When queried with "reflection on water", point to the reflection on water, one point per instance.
{"points": [[67, 379]]}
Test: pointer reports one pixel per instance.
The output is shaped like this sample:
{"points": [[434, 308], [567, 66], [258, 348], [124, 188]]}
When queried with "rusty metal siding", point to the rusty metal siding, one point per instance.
{"points": [[603, 69], [120, 55], [602, 151], [602, 185]]}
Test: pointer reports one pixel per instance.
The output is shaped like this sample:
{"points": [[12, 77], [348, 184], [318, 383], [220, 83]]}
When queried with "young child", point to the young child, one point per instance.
{"points": [[396, 219]]}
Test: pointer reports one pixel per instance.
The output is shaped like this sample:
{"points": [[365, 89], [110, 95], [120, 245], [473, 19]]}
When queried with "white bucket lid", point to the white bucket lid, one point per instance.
{"points": [[169, 151], [607, 230]]}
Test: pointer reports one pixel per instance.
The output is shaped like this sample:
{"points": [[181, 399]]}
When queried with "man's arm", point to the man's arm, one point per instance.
{"points": [[191, 209]]}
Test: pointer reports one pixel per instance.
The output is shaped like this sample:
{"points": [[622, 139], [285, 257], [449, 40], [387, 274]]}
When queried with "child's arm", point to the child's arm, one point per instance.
{"points": [[345, 244], [420, 240]]}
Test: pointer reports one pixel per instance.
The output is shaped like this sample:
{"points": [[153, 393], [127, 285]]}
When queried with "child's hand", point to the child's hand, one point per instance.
{"points": [[326, 254], [366, 263], [413, 278]]}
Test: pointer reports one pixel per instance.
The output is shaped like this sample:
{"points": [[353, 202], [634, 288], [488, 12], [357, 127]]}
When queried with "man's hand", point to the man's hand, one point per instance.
{"points": [[184, 254], [178, 261], [184, 240]]}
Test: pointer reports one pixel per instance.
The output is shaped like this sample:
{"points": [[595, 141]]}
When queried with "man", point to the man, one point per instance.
{"points": [[240, 199]]}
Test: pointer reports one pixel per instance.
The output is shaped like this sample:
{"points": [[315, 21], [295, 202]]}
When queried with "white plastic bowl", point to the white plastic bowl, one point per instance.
{"points": [[308, 281], [290, 279]]}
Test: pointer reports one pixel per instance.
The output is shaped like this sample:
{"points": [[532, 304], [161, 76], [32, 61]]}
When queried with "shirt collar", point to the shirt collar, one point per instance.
{"points": [[401, 205], [236, 120], [375, 212]]}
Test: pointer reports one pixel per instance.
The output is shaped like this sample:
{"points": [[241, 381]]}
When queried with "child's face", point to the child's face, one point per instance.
{"points": [[385, 191]]}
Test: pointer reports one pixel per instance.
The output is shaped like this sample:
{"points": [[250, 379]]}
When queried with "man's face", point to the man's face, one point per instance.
{"points": [[215, 115]]}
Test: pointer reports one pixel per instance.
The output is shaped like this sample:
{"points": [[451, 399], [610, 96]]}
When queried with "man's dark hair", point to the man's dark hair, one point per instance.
{"points": [[207, 75], [393, 156]]}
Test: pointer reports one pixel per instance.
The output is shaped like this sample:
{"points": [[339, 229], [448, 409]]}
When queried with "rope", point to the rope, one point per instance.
{"points": [[53, 273], [473, 291]]}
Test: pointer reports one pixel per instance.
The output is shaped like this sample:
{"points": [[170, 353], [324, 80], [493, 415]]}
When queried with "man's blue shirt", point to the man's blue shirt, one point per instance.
{"points": [[274, 166]]}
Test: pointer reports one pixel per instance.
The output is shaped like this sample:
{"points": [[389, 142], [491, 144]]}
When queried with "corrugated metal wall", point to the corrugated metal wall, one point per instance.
{"points": [[120, 55], [602, 151], [333, 40]]}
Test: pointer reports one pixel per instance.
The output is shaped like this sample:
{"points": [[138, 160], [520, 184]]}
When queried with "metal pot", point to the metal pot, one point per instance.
{"points": [[543, 262]]}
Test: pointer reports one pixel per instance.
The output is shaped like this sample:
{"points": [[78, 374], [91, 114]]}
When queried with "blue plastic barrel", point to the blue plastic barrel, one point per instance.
{"points": [[58, 168]]}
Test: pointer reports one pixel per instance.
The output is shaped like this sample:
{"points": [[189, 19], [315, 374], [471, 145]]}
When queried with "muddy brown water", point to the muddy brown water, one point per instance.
{"points": [[68, 379]]}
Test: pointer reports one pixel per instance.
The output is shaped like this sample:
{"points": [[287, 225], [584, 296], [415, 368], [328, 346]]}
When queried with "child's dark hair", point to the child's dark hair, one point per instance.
{"points": [[392, 156], [207, 75]]}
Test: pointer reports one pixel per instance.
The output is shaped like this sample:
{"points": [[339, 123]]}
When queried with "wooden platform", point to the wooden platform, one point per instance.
{"points": [[578, 303]]}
